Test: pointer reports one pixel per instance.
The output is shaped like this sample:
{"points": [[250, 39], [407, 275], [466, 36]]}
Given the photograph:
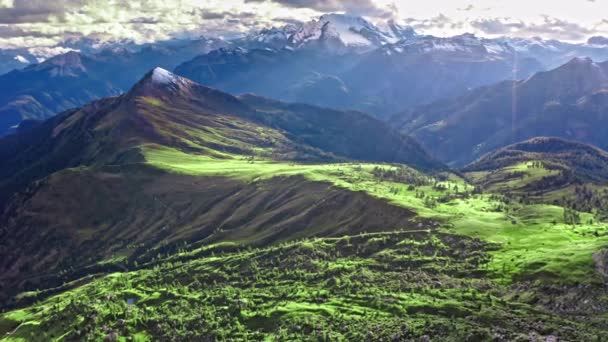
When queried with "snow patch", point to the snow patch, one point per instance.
{"points": [[494, 48], [21, 59]]}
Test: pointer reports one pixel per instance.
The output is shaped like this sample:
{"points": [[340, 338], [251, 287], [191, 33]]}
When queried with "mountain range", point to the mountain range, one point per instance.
{"points": [[381, 81], [568, 102], [337, 61], [42, 90], [73, 79]]}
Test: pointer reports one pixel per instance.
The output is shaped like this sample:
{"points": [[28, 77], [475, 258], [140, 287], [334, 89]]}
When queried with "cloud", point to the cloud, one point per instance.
{"points": [[48, 23], [45, 23], [6, 3], [43, 52], [357, 7], [548, 27], [36, 11], [439, 22], [470, 7], [211, 15]]}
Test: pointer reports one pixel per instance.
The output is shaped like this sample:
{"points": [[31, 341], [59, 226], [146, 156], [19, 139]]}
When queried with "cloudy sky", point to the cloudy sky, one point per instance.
{"points": [[41, 24]]}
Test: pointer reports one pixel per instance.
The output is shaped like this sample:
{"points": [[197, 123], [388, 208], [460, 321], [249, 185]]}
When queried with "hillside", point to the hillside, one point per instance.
{"points": [[568, 102], [179, 212], [172, 112], [585, 162], [167, 120], [547, 170]]}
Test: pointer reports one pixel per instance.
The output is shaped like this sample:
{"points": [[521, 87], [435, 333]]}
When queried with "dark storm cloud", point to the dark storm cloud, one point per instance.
{"points": [[363, 7]]}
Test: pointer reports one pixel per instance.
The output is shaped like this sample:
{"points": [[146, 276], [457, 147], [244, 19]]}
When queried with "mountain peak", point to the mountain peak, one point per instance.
{"points": [[162, 76], [351, 20], [579, 66], [159, 81], [346, 30], [401, 32], [581, 60], [67, 64]]}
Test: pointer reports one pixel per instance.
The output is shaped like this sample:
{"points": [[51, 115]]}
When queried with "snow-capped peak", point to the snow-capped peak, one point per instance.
{"points": [[162, 76], [351, 30], [461, 46], [401, 32], [160, 82], [341, 29]]}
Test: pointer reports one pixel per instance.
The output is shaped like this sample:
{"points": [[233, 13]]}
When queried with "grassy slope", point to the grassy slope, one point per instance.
{"points": [[565, 251], [398, 285], [385, 284], [515, 177], [423, 282]]}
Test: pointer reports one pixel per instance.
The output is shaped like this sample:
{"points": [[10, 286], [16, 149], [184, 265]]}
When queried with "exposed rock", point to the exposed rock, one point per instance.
{"points": [[601, 262], [111, 337]]}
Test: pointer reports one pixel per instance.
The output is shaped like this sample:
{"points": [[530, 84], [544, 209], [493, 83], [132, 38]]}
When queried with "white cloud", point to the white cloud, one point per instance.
{"points": [[44, 23], [547, 17], [44, 52]]}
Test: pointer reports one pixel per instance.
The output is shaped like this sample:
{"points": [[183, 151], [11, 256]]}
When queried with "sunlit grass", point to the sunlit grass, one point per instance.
{"points": [[533, 238]]}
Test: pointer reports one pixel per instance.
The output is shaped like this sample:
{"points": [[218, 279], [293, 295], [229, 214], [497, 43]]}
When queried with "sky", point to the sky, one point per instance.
{"points": [[41, 25]]}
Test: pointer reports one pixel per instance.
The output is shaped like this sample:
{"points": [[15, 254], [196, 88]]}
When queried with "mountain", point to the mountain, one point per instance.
{"points": [[395, 75], [426, 68], [547, 171], [561, 163], [336, 60], [567, 102], [117, 146], [125, 66], [598, 41], [554, 53], [337, 33], [298, 76], [73, 79], [339, 61], [41, 90], [11, 59]]}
